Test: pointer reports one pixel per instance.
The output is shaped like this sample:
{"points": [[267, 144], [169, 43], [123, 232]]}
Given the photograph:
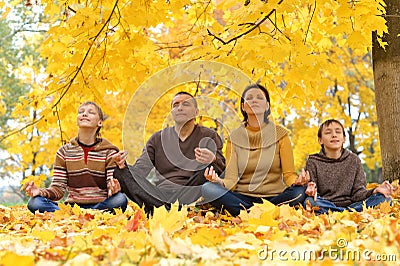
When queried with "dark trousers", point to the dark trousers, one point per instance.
{"points": [[144, 193]]}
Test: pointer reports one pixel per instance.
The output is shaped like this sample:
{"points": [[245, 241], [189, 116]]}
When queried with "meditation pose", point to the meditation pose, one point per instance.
{"points": [[260, 161], [179, 156], [337, 179], [84, 168]]}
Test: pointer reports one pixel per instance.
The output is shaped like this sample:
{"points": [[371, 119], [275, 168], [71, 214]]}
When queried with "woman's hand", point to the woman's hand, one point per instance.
{"points": [[120, 159], [303, 178], [212, 176], [113, 187], [385, 188], [312, 190], [31, 189]]}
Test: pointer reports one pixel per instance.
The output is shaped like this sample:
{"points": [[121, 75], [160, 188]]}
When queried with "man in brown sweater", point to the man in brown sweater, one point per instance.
{"points": [[179, 155], [337, 177]]}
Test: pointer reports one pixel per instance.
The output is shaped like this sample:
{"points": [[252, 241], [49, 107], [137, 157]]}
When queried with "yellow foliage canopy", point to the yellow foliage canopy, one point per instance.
{"points": [[313, 56]]}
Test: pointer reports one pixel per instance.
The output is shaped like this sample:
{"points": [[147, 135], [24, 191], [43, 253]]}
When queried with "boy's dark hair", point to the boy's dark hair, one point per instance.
{"points": [[265, 91], [327, 123], [186, 93]]}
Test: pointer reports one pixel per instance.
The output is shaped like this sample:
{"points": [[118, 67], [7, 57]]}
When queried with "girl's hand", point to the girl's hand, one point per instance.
{"points": [[31, 189]]}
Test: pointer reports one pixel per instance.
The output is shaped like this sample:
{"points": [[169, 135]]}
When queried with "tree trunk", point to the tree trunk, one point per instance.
{"points": [[386, 65]]}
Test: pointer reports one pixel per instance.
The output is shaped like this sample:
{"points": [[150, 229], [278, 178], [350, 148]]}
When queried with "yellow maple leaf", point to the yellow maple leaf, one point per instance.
{"points": [[356, 39], [76, 210], [38, 180], [2, 107], [385, 207], [10, 259], [5, 14], [372, 185], [171, 220], [82, 259], [208, 236], [44, 235], [157, 239], [239, 241], [65, 211], [264, 213], [287, 212]]}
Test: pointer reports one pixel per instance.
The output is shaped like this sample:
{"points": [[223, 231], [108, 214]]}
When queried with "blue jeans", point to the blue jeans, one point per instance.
{"points": [[326, 205], [234, 202], [42, 204]]}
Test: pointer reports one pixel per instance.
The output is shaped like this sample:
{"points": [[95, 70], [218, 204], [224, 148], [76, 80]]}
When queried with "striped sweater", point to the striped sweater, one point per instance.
{"points": [[86, 182]]}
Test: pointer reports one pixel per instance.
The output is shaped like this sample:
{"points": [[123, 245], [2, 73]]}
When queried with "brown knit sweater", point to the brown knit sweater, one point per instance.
{"points": [[85, 182], [175, 160], [341, 181]]}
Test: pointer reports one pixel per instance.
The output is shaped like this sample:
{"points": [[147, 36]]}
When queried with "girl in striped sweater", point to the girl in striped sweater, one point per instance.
{"points": [[83, 168]]}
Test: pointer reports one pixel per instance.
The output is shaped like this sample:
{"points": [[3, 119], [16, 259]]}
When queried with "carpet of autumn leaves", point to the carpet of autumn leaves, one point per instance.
{"points": [[267, 235]]}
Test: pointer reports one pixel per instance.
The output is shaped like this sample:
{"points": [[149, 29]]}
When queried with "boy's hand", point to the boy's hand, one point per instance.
{"points": [[312, 190], [385, 188]]}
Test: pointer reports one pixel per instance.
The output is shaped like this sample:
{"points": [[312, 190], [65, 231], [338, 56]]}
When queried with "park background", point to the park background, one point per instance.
{"points": [[319, 59]]}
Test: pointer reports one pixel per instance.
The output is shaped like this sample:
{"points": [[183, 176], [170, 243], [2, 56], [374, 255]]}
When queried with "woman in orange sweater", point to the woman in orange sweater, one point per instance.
{"points": [[84, 168], [260, 161]]}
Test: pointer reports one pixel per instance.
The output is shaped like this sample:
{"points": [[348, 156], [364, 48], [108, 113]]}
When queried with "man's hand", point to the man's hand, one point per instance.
{"points": [[303, 178], [113, 187], [120, 159], [31, 189], [212, 176], [385, 188], [312, 190], [204, 155]]}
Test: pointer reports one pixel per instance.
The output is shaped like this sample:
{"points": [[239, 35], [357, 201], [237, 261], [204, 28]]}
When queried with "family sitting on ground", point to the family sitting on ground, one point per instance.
{"points": [[190, 166]]}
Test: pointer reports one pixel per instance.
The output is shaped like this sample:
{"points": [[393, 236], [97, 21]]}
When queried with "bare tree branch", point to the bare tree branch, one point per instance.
{"points": [[309, 23], [174, 47], [277, 28], [19, 30], [198, 17], [256, 25]]}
